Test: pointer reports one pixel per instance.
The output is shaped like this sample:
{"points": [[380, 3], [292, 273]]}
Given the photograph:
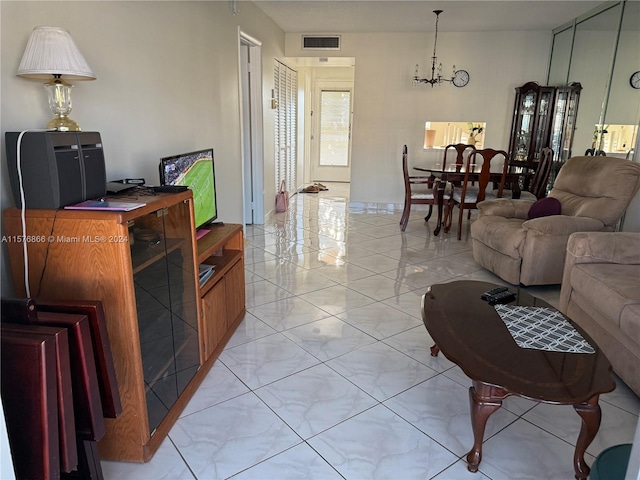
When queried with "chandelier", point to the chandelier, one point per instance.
{"points": [[458, 77]]}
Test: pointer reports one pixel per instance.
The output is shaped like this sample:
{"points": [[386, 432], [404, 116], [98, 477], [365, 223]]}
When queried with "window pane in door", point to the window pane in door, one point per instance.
{"points": [[334, 128]]}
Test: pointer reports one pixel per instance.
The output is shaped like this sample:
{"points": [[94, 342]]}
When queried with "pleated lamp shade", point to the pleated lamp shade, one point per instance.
{"points": [[52, 51]]}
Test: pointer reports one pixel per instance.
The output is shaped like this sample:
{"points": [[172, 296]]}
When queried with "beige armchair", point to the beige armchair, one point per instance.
{"points": [[593, 192]]}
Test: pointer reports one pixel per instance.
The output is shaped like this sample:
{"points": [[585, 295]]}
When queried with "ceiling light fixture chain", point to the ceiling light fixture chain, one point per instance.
{"points": [[459, 77], [233, 5]]}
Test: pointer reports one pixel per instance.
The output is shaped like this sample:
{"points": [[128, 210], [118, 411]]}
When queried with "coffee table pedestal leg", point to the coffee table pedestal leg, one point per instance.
{"points": [[591, 415], [484, 400]]}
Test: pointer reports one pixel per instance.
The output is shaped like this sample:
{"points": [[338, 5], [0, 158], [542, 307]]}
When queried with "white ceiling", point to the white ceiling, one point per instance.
{"points": [[360, 16]]}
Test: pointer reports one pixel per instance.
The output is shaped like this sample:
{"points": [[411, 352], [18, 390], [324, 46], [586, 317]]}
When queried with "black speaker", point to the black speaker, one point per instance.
{"points": [[58, 168]]}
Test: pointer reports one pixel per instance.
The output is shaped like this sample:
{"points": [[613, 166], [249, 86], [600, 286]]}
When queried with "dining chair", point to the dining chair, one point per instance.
{"points": [[461, 149], [468, 196], [462, 152], [538, 187], [418, 190]]}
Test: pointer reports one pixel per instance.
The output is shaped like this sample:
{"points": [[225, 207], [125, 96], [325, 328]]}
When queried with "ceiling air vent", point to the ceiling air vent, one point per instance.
{"points": [[321, 42]]}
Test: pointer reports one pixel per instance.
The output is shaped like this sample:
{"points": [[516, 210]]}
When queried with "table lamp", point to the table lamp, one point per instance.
{"points": [[52, 55]]}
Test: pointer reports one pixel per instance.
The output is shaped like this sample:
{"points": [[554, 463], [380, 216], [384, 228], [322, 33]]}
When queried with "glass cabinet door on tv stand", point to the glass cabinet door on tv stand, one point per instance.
{"points": [[165, 290]]}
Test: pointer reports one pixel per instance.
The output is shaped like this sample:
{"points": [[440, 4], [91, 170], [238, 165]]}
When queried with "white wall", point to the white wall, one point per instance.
{"points": [[167, 82], [389, 112]]}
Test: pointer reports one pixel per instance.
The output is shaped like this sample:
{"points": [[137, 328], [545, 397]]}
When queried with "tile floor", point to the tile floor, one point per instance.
{"points": [[329, 375]]}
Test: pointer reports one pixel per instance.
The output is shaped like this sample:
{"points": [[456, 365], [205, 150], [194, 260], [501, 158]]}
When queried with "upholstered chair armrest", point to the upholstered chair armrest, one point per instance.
{"points": [[597, 247], [563, 225], [505, 207], [605, 247]]}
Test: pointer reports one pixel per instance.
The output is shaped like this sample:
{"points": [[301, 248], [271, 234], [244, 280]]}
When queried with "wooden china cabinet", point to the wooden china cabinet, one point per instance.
{"points": [[165, 328], [531, 122], [543, 116]]}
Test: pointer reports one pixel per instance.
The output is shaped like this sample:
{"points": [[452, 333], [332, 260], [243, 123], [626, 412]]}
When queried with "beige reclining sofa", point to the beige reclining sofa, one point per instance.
{"points": [[601, 293]]}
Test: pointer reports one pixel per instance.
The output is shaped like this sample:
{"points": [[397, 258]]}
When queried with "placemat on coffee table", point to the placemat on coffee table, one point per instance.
{"points": [[542, 329]]}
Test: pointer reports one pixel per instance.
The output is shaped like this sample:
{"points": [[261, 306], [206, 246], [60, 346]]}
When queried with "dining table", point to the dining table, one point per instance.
{"points": [[455, 174]]}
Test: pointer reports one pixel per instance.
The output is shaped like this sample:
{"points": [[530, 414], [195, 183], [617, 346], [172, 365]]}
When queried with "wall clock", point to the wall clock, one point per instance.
{"points": [[635, 80], [460, 78]]}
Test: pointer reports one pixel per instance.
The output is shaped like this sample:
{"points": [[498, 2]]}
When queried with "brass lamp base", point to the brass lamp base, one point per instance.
{"points": [[62, 123]]}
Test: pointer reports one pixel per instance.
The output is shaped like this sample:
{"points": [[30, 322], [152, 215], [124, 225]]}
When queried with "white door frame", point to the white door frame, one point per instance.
{"points": [[251, 132], [343, 174]]}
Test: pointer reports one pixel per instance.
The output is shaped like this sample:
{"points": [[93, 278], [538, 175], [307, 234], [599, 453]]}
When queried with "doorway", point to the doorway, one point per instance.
{"points": [[332, 116], [251, 132]]}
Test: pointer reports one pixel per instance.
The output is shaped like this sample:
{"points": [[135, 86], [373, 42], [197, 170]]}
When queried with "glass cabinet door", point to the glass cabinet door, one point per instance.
{"points": [[531, 125], [546, 98], [165, 289], [564, 121], [523, 121], [563, 126]]}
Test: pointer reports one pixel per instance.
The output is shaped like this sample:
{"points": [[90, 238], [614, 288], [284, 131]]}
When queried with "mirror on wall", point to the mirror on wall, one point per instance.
{"points": [[599, 50], [560, 56], [622, 113], [593, 52]]}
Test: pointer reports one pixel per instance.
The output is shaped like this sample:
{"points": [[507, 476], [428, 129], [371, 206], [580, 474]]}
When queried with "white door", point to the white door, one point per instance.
{"points": [[251, 110], [331, 158]]}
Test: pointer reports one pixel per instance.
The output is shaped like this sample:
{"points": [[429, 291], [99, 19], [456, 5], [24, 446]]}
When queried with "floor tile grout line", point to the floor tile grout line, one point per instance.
{"points": [[553, 434], [340, 319], [182, 457], [458, 457]]}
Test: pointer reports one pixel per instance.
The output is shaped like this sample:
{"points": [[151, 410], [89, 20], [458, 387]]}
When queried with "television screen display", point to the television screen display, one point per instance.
{"points": [[196, 171]]}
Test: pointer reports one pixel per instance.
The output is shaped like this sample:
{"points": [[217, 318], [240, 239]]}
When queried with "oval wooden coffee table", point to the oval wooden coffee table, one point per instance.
{"points": [[470, 333]]}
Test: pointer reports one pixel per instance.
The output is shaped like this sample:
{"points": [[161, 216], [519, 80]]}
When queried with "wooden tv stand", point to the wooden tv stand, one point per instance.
{"points": [[150, 293]]}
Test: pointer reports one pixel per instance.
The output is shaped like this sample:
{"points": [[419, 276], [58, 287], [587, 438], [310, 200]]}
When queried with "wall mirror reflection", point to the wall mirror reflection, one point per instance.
{"points": [[615, 140], [594, 45], [622, 108]]}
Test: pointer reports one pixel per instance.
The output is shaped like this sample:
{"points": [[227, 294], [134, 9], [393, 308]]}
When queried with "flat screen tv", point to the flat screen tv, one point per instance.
{"points": [[196, 171]]}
